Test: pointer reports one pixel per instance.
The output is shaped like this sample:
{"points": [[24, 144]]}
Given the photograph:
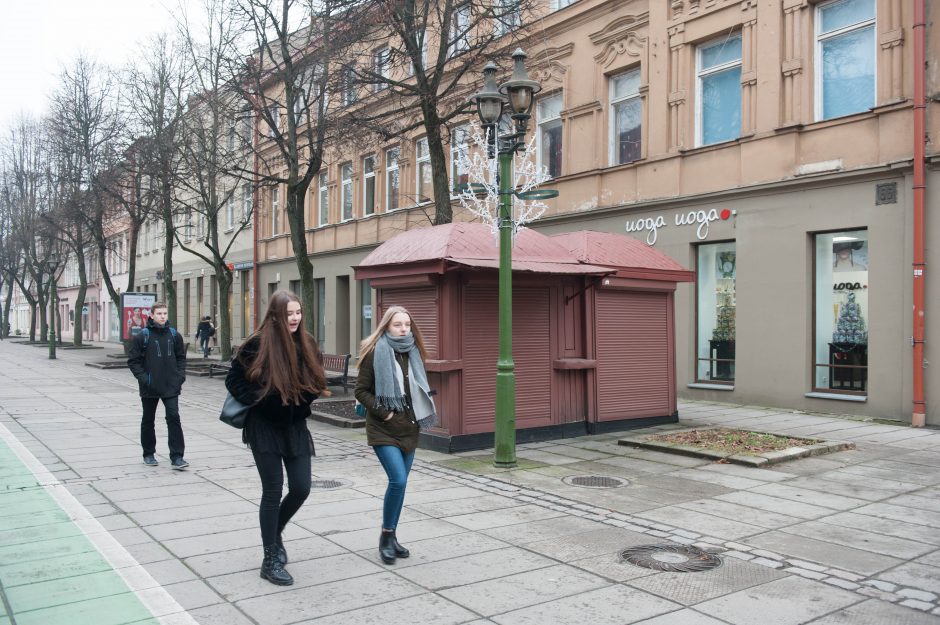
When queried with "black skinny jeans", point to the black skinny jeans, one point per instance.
{"points": [[274, 514]]}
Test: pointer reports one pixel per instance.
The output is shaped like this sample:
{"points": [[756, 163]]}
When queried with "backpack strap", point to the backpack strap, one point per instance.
{"points": [[146, 333]]}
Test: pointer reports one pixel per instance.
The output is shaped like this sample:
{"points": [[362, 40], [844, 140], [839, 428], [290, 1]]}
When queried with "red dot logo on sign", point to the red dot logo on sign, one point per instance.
{"points": [[725, 213]]}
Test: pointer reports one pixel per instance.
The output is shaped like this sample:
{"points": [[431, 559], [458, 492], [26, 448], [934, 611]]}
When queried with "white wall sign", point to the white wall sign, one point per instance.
{"points": [[699, 218]]}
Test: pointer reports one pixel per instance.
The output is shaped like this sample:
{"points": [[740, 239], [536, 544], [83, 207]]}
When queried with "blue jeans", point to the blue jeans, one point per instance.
{"points": [[397, 465]]}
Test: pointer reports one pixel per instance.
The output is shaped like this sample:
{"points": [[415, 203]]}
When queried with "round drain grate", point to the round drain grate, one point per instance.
{"points": [[328, 484], [672, 558], [594, 481]]}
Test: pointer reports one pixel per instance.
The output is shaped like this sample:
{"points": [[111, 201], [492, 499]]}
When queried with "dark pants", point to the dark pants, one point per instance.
{"points": [[274, 513], [148, 437], [397, 466]]}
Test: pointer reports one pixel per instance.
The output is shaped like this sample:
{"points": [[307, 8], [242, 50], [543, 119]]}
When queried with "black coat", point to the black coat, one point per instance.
{"points": [[204, 330], [160, 368]]}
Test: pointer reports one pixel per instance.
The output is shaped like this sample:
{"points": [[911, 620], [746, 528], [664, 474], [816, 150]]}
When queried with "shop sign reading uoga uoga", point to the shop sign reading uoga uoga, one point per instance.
{"points": [[700, 218]]}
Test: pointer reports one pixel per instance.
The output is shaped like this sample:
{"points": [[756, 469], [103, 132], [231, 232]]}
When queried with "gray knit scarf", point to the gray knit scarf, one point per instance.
{"points": [[389, 383]]}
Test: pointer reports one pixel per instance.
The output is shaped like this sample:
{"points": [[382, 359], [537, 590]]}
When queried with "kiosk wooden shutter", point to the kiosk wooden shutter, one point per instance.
{"points": [[422, 304], [633, 355]]}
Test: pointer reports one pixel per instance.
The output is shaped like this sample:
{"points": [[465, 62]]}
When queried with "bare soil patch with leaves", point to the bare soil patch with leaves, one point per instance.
{"points": [[732, 441]]}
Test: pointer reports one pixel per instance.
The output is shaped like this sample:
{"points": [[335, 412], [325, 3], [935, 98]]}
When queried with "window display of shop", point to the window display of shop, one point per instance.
{"points": [[841, 337], [716, 268]]}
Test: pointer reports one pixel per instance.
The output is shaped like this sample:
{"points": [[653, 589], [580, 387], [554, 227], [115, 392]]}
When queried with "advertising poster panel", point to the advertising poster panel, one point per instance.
{"points": [[135, 310]]}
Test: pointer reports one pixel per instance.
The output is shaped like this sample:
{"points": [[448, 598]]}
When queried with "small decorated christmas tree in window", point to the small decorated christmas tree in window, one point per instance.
{"points": [[724, 325], [850, 326]]}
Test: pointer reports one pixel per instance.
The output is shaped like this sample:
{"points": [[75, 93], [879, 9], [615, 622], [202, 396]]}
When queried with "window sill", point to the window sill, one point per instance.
{"points": [[228, 230], [838, 396], [710, 387]]}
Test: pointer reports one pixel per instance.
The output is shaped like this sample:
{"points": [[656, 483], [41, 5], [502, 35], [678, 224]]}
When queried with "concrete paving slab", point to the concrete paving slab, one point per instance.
{"points": [[249, 558], [861, 539], [542, 530], [913, 574], [479, 503], [809, 496], [523, 590], [743, 514], [708, 524], [710, 477], [773, 603], [614, 605], [610, 566], [691, 588], [404, 612], [682, 617], [873, 612], [369, 538], [506, 516], [823, 552], [779, 505], [606, 541], [888, 527], [902, 513], [122, 609], [575, 451], [474, 568]]}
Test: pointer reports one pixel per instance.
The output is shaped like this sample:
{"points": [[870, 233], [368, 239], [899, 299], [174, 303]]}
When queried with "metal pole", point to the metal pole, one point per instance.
{"points": [[505, 367], [52, 307]]}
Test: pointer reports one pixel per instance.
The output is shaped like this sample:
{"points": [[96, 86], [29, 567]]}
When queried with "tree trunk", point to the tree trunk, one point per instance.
{"points": [[439, 174], [80, 298], [298, 237], [7, 306], [224, 279], [32, 322], [168, 287]]}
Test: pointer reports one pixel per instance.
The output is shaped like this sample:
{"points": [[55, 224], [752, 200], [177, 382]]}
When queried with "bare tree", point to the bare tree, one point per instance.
{"points": [[156, 97], [411, 63], [214, 149], [287, 82]]}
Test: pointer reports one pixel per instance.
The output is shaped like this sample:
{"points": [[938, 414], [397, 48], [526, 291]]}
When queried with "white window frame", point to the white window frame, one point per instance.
{"points": [[275, 111], [820, 38], [300, 107], [323, 199], [700, 74], [346, 191], [540, 122], [614, 101], [367, 177], [391, 166], [247, 200], [349, 94], [461, 21], [275, 205], [455, 150], [230, 211], [557, 5], [419, 161], [503, 26], [381, 59]]}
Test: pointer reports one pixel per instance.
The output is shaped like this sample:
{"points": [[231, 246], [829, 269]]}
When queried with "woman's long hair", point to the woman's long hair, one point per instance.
{"points": [[287, 363], [368, 344]]}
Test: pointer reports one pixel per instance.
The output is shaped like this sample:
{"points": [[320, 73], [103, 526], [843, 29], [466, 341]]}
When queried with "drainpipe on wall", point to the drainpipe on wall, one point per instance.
{"points": [[919, 415], [256, 228]]}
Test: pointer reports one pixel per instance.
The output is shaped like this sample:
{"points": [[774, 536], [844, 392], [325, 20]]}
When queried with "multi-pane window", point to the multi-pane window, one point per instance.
{"points": [[300, 106], [380, 66], [508, 16], [324, 202], [392, 182], [718, 91], [550, 134], [626, 112], [715, 326], [841, 303], [368, 185], [459, 156], [232, 132], [275, 112], [230, 211], [247, 128], [560, 4], [349, 86], [275, 212], [423, 171], [246, 201], [845, 57], [459, 35], [346, 190]]}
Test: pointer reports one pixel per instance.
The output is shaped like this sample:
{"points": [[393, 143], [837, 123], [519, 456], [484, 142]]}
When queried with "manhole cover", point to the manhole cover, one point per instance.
{"points": [[328, 484], [672, 558], [594, 481]]}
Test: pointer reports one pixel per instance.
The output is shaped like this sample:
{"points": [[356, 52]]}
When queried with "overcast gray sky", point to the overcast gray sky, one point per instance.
{"points": [[40, 37]]}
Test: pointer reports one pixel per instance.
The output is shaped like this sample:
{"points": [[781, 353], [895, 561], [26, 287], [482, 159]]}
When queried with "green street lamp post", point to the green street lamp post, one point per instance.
{"points": [[519, 93]]}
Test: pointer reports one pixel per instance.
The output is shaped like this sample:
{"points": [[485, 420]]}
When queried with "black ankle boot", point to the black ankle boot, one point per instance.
{"points": [[400, 552], [272, 569], [281, 552], [387, 547]]}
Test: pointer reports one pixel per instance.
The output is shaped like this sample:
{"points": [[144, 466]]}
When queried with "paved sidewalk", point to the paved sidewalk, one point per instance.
{"points": [[88, 532]]}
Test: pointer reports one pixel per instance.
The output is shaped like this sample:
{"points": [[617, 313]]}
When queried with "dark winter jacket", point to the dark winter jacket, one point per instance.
{"points": [[402, 429], [271, 426], [204, 330], [160, 368]]}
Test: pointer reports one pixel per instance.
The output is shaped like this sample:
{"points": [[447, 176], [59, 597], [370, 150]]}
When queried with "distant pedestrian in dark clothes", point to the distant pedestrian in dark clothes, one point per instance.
{"points": [[205, 331], [158, 361], [279, 372], [393, 386]]}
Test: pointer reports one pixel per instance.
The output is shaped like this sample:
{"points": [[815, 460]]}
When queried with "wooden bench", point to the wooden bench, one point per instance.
{"points": [[336, 368], [223, 367]]}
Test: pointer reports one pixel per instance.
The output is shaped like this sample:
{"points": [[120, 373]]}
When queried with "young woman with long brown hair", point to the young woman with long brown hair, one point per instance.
{"points": [[393, 386], [279, 372]]}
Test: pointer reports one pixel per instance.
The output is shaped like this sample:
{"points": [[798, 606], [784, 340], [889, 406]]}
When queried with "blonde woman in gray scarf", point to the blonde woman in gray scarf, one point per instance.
{"points": [[393, 386]]}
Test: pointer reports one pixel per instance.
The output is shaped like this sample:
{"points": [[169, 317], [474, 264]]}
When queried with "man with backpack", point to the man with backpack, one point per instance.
{"points": [[158, 361], [205, 331]]}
